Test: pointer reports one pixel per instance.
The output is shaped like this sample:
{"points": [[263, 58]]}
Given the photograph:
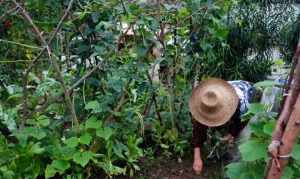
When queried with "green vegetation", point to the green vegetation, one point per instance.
{"points": [[253, 150], [87, 106]]}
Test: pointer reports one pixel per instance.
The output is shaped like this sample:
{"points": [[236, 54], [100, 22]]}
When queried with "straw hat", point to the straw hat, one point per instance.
{"points": [[213, 102]]}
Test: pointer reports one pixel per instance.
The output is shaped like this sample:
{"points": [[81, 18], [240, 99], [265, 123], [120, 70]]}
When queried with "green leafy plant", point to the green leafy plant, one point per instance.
{"points": [[77, 98], [253, 150]]}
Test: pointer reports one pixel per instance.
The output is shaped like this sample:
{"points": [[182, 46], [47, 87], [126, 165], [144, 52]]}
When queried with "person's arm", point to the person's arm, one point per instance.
{"points": [[198, 138], [198, 163]]}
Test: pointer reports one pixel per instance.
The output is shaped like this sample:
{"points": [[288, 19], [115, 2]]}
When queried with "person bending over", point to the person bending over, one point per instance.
{"points": [[220, 104]]}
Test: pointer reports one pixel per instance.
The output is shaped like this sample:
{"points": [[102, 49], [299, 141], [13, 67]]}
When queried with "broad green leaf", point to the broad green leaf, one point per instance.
{"points": [[266, 83], [43, 121], [65, 152], [50, 171], [253, 150], [6, 173], [37, 149], [269, 127], [72, 142], [15, 97], [287, 173], [255, 108], [94, 106], [93, 123], [34, 132], [235, 170], [257, 128], [60, 165], [85, 139], [104, 133], [296, 152], [83, 158], [244, 170]]}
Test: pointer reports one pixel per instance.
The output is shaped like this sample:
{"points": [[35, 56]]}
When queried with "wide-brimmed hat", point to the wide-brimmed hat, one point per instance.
{"points": [[213, 102]]}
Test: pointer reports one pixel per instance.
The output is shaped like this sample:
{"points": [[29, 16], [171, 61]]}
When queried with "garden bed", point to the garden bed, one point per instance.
{"points": [[177, 169]]}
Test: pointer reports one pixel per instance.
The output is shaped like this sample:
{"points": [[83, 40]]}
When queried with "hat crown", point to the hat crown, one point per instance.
{"points": [[210, 99], [213, 102]]}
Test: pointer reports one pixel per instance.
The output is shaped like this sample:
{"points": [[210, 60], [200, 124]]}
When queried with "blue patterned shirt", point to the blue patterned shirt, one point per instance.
{"points": [[244, 91]]}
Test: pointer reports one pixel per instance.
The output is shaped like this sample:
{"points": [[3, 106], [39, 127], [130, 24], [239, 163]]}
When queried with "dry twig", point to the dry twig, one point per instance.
{"points": [[10, 11]]}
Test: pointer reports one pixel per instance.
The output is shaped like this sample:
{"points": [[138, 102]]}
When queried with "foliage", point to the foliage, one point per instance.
{"points": [[246, 36], [253, 150], [122, 113]]}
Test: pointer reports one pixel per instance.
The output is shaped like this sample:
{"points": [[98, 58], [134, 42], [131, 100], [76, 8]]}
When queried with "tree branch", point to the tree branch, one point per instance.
{"points": [[51, 59], [52, 36], [10, 11], [289, 138], [122, 100], [153, 98], [282, 135], [44, 43], [117, 108], [290, 100], [35, 28], [84, 77]]}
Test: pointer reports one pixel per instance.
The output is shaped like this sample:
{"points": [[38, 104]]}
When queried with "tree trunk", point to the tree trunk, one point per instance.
{"points": [[292, 90], [290, 136], [287, 127]]}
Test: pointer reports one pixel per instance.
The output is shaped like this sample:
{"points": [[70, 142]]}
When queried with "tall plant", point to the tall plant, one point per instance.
{"points": [[76, 94]]}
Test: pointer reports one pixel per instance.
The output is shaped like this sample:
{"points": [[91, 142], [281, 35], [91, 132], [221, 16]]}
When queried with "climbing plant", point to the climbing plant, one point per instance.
{"points": [[78, 98]]}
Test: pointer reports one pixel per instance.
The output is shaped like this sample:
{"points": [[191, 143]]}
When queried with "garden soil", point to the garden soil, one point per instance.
{"points": [[174, 169]]}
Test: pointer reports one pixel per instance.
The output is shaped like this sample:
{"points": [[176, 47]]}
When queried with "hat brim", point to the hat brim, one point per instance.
{"points": [[229, 103]]}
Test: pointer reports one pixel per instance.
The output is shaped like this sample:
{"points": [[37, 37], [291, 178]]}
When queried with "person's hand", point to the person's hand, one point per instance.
{"points": [[197, 166], [227, 139]]}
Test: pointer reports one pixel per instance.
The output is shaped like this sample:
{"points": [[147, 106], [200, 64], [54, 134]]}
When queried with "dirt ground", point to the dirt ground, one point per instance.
{"points": [[172, 169]]}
